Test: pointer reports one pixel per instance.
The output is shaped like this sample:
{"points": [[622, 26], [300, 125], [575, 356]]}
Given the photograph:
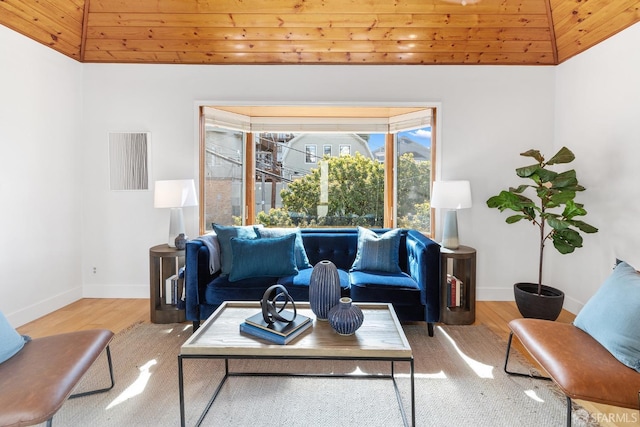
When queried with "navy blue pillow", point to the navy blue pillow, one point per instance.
{"points": [[225, 234], [302, 260], [270, 257], [378, 252]]}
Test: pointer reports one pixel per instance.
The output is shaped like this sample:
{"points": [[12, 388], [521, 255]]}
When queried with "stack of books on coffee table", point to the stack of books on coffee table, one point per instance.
{"points": [[276, 332]]}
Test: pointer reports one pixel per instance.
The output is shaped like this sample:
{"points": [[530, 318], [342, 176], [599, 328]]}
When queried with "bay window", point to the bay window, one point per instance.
{"points": [[372, 169]]}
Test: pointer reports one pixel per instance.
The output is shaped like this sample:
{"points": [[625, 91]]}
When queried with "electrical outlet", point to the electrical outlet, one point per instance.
{"points": [[95, 270]]}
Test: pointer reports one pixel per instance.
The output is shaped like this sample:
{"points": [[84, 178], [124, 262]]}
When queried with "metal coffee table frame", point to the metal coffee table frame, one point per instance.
{"points": [[226, 353]]}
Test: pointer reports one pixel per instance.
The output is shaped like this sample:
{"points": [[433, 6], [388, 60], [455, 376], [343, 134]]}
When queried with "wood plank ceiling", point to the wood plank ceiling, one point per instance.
{"points": [[520, 32]]}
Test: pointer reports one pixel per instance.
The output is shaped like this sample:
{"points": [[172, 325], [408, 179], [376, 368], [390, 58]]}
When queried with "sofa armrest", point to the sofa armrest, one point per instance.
{"points": [[196, 277], [423, 259]]}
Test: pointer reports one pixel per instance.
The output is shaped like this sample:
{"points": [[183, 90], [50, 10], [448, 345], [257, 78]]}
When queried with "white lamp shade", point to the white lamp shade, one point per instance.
{"points": [[451, 194], [175, 194]]}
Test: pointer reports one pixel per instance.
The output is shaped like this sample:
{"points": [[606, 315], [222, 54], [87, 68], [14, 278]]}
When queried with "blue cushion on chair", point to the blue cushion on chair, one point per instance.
{"points": [[225, 233], [612, 315], [378, 252], [11, 342], [302, 261], [273, 257]]}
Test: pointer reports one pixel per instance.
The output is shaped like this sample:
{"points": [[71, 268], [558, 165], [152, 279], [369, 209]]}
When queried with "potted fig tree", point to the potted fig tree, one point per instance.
{"points": [[555, 214]]}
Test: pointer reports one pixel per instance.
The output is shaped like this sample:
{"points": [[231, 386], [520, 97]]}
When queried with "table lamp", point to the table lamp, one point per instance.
{"points": [[175, 194], [451, 195]]}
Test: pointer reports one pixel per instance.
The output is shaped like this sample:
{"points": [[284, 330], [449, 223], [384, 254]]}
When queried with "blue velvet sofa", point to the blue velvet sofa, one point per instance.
{"points": [[414, 291]]}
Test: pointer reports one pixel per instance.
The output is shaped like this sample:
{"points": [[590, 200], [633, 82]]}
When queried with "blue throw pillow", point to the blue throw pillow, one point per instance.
{"points": [[274, 257], [11, 342], [378, 252], [302, 260], [225, 234], [612, 315]]}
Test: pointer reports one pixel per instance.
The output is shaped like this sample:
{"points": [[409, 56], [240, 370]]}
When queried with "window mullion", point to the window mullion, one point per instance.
{"points": [[389, 187], [249, 180]]}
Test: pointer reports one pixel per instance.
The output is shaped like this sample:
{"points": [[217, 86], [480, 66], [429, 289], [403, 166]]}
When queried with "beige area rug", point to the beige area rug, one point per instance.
{"points": [[458, 381]]}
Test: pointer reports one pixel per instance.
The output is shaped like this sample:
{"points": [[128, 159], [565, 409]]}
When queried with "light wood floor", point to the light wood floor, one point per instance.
{"points": [[118, 314]]}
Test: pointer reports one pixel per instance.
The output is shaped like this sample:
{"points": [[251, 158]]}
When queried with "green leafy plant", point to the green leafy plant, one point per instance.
{"points": [[555, 206]]}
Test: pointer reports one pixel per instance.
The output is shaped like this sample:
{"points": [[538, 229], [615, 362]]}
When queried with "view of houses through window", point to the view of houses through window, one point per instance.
{"points": [[312, 179]]}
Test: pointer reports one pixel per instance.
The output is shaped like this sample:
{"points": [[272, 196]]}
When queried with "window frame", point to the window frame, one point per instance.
{"points": [[233, 120], [310, 154]]}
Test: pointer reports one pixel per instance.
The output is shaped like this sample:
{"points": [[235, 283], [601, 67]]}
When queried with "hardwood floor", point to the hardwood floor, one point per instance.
{"points": [[118, 314], [90, 313]]}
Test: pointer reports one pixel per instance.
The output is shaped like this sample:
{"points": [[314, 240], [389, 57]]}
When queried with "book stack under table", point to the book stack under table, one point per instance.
{"points": [[458, 286], [277, 332], [455, 292]]}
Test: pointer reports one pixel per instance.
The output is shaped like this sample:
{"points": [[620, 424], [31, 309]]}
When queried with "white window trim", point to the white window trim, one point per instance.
{"points": [[394, 124]]}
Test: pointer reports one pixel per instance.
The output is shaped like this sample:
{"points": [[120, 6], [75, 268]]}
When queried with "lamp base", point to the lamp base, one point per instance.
{"points": [[176, 226], [450, 230]]}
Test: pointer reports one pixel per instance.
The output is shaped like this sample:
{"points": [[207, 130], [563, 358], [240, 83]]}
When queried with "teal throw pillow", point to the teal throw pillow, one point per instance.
{"points": [[612, 315], [302, 260], [11, 342], [225, 233], [269, 257], [378, 252]]}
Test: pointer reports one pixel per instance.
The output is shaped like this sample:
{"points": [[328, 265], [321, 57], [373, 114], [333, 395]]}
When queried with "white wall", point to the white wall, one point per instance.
{"points": [[40, 185], [489, 115], [598, 116]]}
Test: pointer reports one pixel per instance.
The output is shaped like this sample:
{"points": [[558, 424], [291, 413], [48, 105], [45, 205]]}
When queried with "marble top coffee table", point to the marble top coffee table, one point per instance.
{"points": [[380, 338]]}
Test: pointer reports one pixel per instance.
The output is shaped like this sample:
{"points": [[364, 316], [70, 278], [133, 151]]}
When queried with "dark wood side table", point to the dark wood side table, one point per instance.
{"points": [[164, 262], [461, 263]]}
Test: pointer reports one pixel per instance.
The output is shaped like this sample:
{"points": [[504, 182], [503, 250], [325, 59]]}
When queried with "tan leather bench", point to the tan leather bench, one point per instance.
{"points": [[577, 363], [38, 380]]}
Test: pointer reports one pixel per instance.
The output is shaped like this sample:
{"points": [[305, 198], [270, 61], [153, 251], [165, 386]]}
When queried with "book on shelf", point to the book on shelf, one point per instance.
{"points": [[455, 291], [279, 328], [271, 336], [171, 290]]}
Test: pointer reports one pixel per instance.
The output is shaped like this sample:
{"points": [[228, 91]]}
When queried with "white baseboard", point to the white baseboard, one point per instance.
{"points": [[115, 291], [43, 307], [501, 294], [494, 294], [572, 305]]}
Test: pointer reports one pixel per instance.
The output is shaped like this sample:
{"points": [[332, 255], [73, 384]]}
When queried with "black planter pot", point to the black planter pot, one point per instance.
{"points": [[547, 305]]}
